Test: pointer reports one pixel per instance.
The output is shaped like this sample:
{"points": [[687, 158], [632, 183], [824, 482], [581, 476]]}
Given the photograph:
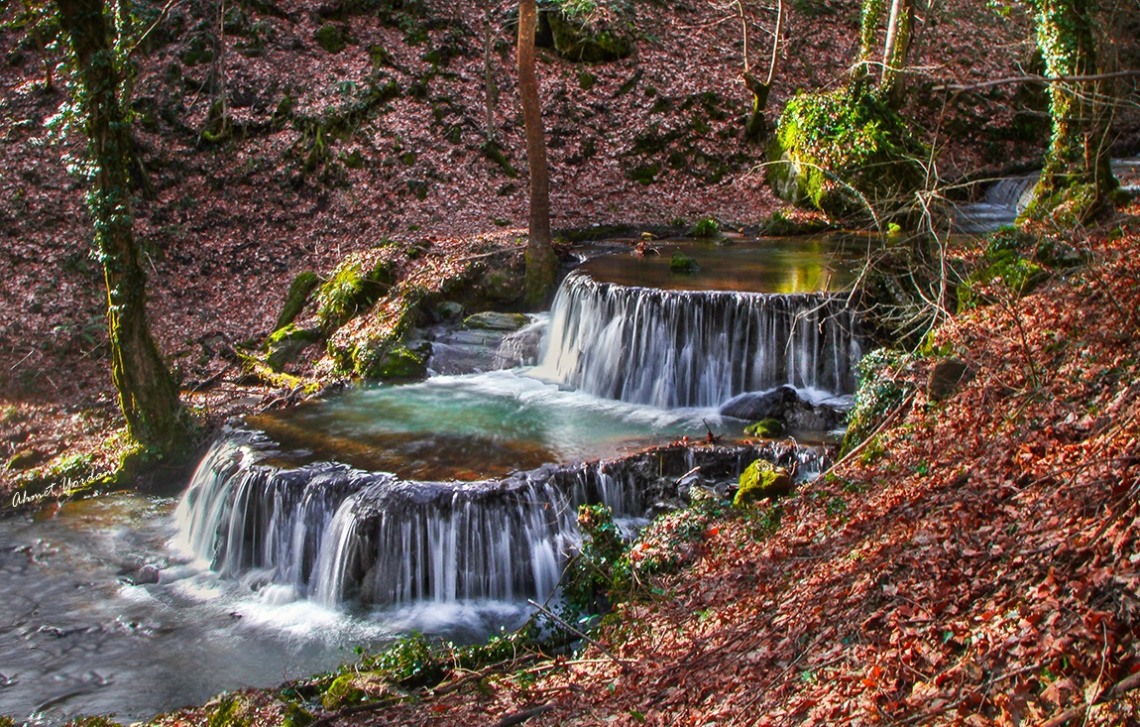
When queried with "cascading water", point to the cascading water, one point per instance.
{"points": [[696, 349], [636, 360], [331, 533]]}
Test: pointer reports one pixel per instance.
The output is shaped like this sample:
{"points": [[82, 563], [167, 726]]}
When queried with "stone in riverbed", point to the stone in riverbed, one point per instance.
{"points": [[493, 321]]}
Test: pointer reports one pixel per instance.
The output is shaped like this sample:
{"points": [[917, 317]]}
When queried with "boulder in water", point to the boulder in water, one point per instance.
{"points": [[785, 405], [492, 321], [766, 429], [767, 405]]}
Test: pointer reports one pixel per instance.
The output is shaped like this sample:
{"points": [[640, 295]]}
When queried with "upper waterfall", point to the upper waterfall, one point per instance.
{"points": [[669, 348]]}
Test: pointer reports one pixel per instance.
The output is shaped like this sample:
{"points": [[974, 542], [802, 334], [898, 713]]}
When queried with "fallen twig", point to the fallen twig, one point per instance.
{"points": [[558, 620]]}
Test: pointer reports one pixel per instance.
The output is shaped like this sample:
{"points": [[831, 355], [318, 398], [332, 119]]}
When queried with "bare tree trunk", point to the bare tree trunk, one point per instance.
{"points": [[148, 394], [756, 128], [541, 262], [489, 74]]}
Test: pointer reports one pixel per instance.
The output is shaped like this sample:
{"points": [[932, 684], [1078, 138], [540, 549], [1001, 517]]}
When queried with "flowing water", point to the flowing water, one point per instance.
{"points": [[438, 506]]}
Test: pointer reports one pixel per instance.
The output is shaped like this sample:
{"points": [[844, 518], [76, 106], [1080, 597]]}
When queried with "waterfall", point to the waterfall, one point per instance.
{"points": [[333, 533], [695, 349]]}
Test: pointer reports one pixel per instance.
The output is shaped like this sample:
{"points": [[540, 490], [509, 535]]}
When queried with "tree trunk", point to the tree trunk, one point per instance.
{"points": [[148, 393], [1078, 155], [541, 263], [896, 49]]}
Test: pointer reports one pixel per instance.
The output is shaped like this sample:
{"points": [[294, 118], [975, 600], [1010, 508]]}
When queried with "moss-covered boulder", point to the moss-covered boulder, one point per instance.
{"points": [[355, 688], [761, 481], [298, 296], [683, 264], [362, 346], [285, 345], [332, 37], [359, 281], [404, 363], [766, 429], [592, 37], [844, 151]]}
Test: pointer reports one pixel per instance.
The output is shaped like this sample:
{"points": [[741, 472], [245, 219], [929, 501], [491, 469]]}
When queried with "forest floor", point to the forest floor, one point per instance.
{"points": [[977, 563]]}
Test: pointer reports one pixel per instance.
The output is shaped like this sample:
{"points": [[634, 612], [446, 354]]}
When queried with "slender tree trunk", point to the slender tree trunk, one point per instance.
{"points": [[492, 92], [148, 393], [896, 49], [541, 263], [1078, 154]]}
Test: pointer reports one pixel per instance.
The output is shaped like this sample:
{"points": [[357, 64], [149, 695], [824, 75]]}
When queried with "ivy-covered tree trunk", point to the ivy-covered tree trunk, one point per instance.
{"points": [[1077, 162], [148, 393], [541, 262]]}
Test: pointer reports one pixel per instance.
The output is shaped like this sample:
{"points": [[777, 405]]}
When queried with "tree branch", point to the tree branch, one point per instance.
{"points": [[1037, 79]]}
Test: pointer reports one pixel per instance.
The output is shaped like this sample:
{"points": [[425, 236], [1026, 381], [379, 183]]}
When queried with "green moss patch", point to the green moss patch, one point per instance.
{"points": [[359, 281], [297, 297], [842, 151], [761, 480]]}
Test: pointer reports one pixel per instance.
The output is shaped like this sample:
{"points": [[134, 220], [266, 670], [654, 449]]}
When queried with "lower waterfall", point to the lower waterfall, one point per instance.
{"points": [[331, 533]]}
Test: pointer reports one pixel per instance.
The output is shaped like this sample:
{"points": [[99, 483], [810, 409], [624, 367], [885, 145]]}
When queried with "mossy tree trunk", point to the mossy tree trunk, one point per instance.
{"points": [[1077, 161], [148, 393], [541, 262]]}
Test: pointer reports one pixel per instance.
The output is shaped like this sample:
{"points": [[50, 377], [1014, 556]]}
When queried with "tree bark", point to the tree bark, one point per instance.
{"points": [[541, 262], [148, 394], [896, 49], [1078, 154]]}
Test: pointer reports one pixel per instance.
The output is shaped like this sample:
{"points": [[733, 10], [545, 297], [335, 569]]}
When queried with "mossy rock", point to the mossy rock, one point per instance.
{"points": [[843, 150], [493, 321], [782, 224], [294, 715], [285, 345], [766, 429], [581, 41], [333, 38], [230, 710], [683, 264], [1017, 275], [297, 297], [761, 481], [402, 364], [354, 688], [362, 346], [359, 281]]}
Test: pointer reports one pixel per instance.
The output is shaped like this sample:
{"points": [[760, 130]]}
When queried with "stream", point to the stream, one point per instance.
{"points": [[439, 506]]}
